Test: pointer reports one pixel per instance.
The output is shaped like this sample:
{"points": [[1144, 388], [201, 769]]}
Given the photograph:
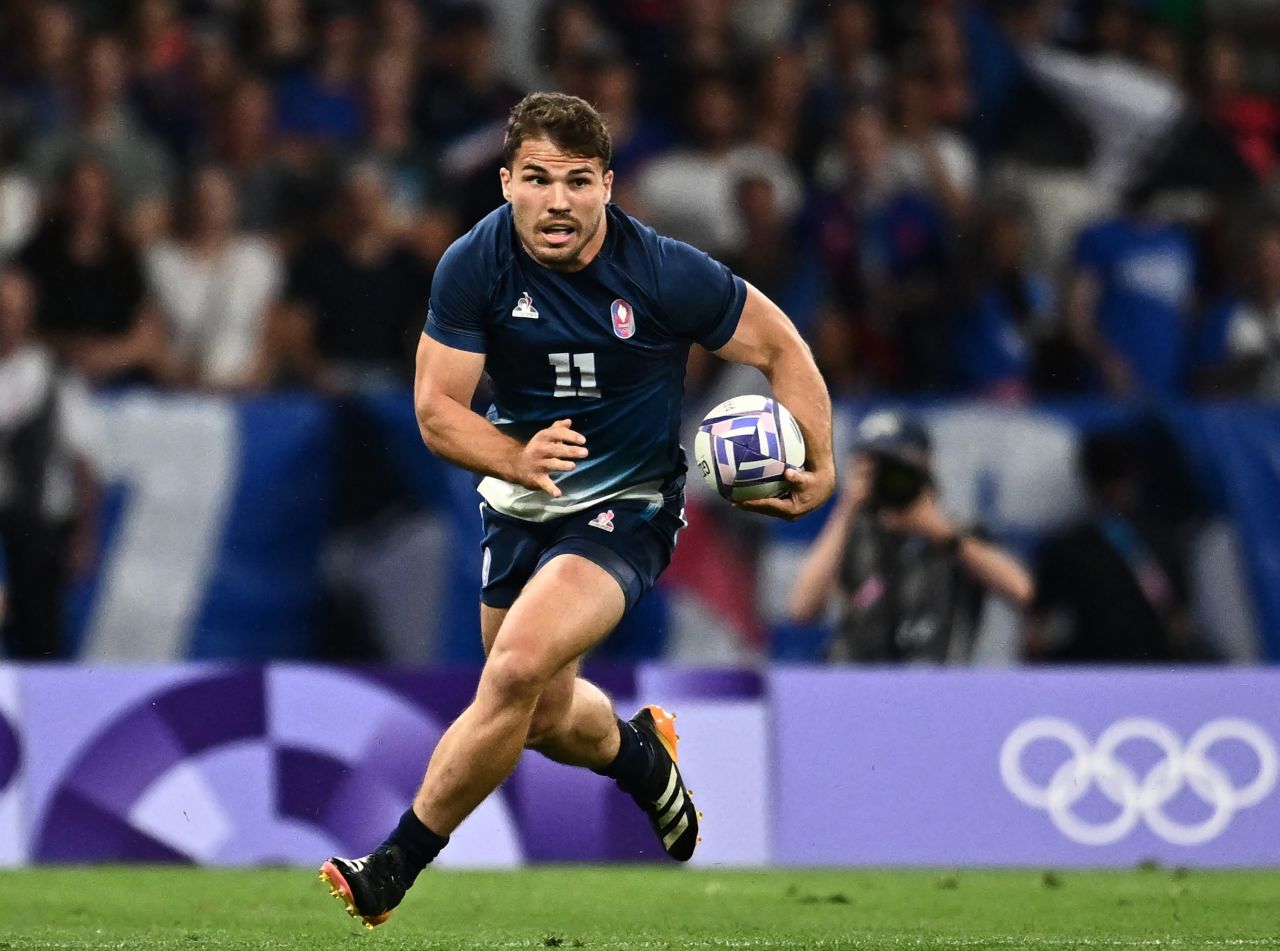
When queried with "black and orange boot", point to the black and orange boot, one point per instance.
{"points": [[370, 887], [665, 799]]}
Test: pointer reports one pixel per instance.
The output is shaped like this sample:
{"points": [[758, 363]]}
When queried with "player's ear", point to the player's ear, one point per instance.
{"points": [[608, 186], [504, 176]]}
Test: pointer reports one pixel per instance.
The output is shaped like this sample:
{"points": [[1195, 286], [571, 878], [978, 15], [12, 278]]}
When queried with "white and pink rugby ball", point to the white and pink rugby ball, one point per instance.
{"points": [[744, 446]]}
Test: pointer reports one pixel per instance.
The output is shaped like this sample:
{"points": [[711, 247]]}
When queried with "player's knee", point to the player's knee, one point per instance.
{"points": [[517, 674]]}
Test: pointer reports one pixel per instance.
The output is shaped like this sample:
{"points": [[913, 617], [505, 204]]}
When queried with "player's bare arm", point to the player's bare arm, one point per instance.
{"points": [[767, 340], [444, 382]]}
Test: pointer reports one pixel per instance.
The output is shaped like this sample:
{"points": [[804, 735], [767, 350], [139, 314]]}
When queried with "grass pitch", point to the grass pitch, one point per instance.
{"points": [[645, 908]]}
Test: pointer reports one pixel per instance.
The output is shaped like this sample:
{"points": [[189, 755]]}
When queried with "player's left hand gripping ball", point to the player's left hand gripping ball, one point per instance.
{"points": [[809, 490]]}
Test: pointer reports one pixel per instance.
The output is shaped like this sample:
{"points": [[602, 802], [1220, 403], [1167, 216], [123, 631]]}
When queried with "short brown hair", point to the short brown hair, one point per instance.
{"points": [[572, 124]]}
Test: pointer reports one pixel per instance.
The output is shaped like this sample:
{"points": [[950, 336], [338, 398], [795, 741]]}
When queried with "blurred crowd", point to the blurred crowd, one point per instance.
{"points": [[996, 197], [1005, 199]]}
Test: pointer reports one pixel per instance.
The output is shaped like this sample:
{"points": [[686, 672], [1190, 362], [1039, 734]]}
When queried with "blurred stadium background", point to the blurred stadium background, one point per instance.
{"points": [[1027, 221]]}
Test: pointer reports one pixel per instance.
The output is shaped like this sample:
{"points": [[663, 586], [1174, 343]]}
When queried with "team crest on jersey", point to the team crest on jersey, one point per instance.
{"points": [[604, 520], [524, 307], [624, 319]]}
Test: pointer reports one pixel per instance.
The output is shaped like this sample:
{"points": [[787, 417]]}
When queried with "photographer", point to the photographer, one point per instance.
{"points": [[911, 583]]}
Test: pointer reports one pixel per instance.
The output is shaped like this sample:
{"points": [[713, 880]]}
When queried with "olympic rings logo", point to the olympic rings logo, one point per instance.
{"points": [[1139, 797]]}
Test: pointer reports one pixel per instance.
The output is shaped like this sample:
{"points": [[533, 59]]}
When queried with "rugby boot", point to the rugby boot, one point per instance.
{"points": [[370, 887], [665, 799]]}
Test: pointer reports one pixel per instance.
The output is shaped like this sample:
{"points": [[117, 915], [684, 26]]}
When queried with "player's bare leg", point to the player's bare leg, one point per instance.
{"points": [[566, 608], [574, 721], [529, 695]]}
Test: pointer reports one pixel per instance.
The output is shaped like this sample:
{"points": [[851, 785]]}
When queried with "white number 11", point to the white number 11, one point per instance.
{"points": [[565, 364]]}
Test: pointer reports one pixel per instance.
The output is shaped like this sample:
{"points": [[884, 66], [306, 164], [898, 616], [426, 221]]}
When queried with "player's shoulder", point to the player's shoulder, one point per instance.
{"points": [[633, 240], [484, 252], [645, 254]]}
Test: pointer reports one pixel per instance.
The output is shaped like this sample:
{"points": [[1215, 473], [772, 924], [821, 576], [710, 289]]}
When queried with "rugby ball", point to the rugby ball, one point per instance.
{"points": [[744, 446]]}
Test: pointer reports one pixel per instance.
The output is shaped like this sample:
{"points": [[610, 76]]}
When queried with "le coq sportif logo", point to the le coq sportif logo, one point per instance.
{"points": [[1118, 767]]}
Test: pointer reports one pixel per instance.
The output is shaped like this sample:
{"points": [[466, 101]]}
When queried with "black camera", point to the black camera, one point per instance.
{"points": [[896, 482]]}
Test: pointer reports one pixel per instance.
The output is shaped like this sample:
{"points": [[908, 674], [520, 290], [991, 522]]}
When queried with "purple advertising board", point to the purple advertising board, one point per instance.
{"points": [[288, 764], [11, 756], [215, 764], [1086, 768]]}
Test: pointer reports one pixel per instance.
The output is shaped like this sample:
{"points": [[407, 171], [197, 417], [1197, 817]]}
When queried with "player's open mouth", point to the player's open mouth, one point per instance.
{"points": [[558, 235]]}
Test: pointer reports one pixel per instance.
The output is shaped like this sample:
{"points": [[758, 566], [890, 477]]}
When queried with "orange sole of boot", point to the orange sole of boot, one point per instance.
{"points": [[340, 890]]}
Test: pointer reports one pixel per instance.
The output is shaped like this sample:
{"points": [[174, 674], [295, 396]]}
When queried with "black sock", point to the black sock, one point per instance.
{"points": [[417, 843], [633, 766]]}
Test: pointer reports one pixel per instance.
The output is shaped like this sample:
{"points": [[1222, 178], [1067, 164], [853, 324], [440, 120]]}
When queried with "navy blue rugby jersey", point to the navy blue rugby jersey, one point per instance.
{"points": [[604, 346]]}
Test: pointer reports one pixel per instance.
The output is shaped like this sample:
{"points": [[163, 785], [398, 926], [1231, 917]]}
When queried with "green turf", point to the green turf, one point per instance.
{"points": [[635, 908]]}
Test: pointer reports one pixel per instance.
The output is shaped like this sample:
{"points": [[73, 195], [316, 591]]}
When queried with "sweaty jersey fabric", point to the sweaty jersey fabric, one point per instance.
{"points": [[604, 346]]}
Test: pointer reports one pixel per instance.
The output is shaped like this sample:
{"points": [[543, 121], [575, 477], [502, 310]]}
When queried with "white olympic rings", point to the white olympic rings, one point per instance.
{"points": [[1139, 797]]}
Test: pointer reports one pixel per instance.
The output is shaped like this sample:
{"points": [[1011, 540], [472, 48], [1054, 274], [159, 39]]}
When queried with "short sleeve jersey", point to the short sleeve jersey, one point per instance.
{"points": [[604, 346]]}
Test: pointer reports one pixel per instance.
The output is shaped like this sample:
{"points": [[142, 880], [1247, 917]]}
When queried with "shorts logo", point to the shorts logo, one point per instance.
{"points": [[604, 520], [624, 319], [524, 307]]}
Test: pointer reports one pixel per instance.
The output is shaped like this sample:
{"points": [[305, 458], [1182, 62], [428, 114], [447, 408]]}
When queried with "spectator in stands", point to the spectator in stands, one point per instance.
{"points": [[689, 193], [571, 38], [926, 157], [45, 492], [39, 72], [464, 90], [785, 119], [883, 246], [1128, 301], [321, 105], [243, 143], [1249, 326], [709, 40], [105, 126], [354, 298], [1161, 52], [945, 54], [390, 138], [844, 58], [400, 28], [1250, 120], [19, 204], [461, 106], [1007, 315], [277, 37], [214, 285], [93, 310], [160, 53], [636, 136], [1113, 587], [773, 255], [909, 581]]}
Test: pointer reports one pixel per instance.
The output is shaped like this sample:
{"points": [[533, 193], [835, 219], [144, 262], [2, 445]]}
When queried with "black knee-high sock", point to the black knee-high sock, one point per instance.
{"points": [[633, 766], [417, 843]]}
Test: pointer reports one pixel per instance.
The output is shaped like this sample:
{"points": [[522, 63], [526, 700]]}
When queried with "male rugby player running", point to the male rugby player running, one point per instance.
{"points": [[582, 317]]}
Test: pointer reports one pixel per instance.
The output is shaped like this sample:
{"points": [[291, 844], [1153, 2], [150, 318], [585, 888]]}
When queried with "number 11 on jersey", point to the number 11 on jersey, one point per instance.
{"points": [[564, 365]]}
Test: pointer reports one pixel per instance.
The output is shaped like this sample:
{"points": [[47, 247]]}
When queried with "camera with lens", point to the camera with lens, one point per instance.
{"points": [[899, 448], [897, 481]]}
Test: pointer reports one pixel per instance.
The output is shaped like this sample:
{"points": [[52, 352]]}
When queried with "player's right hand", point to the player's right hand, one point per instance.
{"points": [[553, 449]]}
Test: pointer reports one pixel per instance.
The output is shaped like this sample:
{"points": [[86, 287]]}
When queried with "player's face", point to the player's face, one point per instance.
{"points": [[558, 203]]}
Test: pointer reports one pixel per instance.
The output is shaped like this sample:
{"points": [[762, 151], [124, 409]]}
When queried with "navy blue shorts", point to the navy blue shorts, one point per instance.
{"points": [[629, 538]]}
